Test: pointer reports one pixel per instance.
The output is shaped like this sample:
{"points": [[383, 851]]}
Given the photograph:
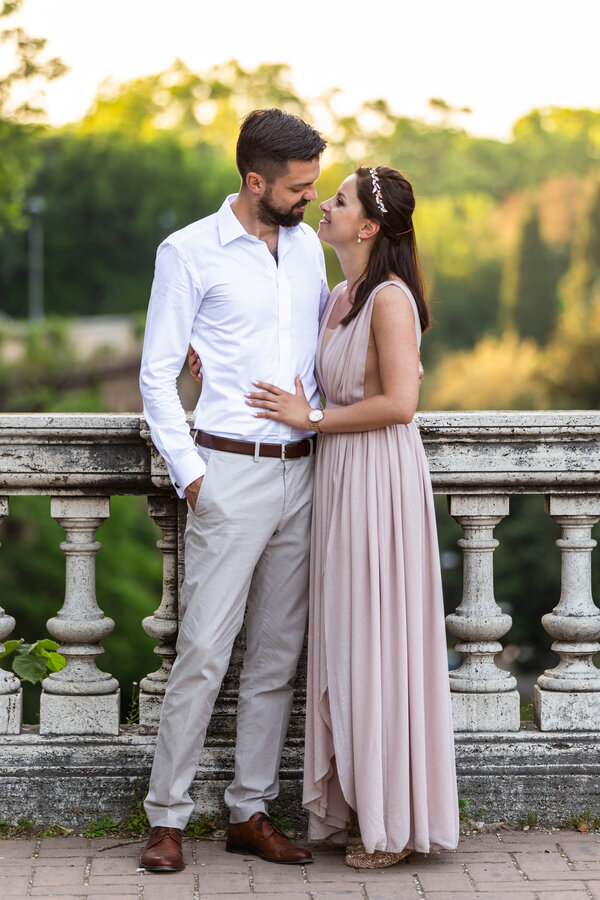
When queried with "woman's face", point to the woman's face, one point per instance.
{"points": [[343, 215]]}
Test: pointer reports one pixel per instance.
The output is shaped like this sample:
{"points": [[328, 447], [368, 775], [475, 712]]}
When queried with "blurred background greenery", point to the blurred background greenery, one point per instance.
{"points": [[509, 233]]}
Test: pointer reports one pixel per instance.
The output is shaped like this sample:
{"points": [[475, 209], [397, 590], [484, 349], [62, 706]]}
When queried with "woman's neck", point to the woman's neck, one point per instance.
{"points": [[354, 260]]}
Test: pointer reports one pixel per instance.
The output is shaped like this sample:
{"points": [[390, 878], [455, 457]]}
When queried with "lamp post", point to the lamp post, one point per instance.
{"points": [[35, 207]]}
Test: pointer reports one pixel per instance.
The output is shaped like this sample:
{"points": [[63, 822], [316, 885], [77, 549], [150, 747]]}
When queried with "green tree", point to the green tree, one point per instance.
{"points": [[205, 107], [110, 200], [570, 370], [460, 254], [528, 292], [582, 281], [497, 373], [555, 140], [20, 98]]}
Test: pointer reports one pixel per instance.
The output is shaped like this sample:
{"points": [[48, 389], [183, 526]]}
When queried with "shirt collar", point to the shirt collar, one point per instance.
{"points": [[230, 227]]}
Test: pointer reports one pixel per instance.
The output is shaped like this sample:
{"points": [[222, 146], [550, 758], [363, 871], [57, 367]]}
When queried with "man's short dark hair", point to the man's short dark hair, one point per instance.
{"points": [[269, 138]]}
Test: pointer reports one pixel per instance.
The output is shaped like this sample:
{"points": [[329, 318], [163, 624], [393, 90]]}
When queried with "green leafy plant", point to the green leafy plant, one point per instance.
{"points": [[133, 713], [282, 822], [201, 827], [101, 827], [527, 711], [532, 819], [136, 821], [33, 662], [23, 827], [584, 821]]}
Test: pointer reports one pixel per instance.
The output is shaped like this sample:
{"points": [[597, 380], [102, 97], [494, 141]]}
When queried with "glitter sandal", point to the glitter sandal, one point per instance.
{"points": [[358, 858]]}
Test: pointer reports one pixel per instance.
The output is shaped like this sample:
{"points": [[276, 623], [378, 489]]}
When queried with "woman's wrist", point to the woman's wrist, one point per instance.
{"points": [[315, 418]]}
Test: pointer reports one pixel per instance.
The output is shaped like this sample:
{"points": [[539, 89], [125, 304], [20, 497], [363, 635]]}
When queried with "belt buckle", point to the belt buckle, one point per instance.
{"points": [[306, 440]]}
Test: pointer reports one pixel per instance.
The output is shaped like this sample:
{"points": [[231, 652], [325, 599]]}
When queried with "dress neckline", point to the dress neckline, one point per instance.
{"points": [[328, 334], [330, 310]]}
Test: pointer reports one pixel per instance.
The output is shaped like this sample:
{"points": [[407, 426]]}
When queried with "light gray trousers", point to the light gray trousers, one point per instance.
{"points": [[246, 544]]}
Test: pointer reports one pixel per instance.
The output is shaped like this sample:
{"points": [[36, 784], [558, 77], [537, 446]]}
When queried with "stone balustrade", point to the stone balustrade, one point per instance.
{"points": [[81, 762]]}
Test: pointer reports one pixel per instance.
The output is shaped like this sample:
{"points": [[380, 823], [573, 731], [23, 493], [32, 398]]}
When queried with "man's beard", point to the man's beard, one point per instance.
{"points": [[270, 215]]}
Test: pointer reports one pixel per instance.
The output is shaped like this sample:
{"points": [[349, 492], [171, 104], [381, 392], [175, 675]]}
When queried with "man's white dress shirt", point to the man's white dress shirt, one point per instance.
{"points": [[249, 318]]}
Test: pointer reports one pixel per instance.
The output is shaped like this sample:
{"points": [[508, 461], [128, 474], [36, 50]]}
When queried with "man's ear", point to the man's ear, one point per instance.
{"points": [[255, 183]]}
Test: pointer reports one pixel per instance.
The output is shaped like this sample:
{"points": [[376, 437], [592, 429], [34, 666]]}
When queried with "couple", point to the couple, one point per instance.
{"points": [[246, 288]]}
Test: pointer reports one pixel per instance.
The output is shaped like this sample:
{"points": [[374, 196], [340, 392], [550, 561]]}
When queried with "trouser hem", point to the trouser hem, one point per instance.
{"points": [[239, 814]]}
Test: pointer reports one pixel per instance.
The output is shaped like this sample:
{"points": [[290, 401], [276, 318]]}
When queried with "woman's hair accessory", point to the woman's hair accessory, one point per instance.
{"points": [[377, 191], [398, 233]]}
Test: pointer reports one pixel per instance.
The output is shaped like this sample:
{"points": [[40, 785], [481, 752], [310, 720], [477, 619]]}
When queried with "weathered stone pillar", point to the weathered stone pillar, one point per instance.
{"points": [[484, 697], [162, 626], [80, 699], [11, 694], [567, 698]]}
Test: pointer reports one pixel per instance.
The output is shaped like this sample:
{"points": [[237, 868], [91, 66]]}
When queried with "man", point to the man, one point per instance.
{"points": [[244, 287]]}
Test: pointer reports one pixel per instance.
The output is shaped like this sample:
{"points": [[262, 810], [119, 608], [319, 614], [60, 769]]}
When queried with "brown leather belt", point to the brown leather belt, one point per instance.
{"points": [[305, 447]]}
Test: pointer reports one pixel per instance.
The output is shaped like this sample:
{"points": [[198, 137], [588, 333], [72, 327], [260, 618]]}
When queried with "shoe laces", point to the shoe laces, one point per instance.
{"points": [[164, 831], [265, 818]]}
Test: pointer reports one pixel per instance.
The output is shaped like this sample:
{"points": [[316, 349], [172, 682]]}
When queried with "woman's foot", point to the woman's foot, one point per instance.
{"points": [[358, 858]]}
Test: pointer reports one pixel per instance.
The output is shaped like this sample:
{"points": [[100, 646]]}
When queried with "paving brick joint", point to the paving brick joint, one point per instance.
{"points": [[534, 865]]}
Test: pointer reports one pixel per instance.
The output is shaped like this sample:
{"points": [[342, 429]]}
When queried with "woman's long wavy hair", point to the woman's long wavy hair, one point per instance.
{"points": [[395, 248]]}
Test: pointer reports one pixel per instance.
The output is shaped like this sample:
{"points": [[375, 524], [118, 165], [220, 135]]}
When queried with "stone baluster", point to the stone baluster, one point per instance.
{"points": [[162, 626], [567, 698], [80, 699], [484, 697], [11, 694]]}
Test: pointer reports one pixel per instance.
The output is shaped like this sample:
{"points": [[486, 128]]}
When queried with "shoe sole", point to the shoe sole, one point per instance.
{"points": [[164, 868], [240, 848]]}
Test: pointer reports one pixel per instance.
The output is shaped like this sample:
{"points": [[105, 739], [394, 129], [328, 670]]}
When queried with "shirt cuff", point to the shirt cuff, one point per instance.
{"points": [[188, 469]]}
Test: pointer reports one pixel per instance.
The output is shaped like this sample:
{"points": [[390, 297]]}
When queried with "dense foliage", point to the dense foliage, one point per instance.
{"points": [[20, 90]]}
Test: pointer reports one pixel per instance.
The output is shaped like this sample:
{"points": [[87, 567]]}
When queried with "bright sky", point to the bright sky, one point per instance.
{"points": [[499, 58]]}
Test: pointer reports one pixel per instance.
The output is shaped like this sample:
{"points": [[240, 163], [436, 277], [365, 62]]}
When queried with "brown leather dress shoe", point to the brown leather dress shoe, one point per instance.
{"points": [[163, 851], [260, 836]]}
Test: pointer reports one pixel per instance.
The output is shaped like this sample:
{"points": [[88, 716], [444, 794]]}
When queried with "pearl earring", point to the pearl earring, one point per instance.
{"points": [[358, 239]]}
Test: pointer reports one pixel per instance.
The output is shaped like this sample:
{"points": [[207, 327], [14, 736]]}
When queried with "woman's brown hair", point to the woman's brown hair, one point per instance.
{"points": [[395, 247]]}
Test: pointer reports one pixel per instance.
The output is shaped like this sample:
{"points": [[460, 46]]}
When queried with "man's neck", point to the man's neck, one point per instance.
{"points": [[244, 211]]}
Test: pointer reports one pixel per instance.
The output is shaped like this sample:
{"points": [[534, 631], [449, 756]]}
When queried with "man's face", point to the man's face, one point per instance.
{"points": [[284, 200]]}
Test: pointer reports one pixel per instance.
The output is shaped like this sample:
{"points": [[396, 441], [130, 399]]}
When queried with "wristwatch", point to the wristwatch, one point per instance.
{"points": [[315, 416]]}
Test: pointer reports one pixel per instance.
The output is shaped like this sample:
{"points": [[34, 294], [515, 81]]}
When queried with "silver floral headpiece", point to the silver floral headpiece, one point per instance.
{"points": [[377, 190]]}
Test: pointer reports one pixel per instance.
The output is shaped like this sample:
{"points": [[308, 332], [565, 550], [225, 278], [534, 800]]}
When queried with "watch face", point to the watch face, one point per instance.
{"points": [[315, 415]]}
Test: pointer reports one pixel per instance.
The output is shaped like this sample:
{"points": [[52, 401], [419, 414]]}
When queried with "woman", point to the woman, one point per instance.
{"points": [[379, 739]]}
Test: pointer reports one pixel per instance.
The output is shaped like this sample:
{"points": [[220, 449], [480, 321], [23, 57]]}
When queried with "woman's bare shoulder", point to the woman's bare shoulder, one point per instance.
{"points": [[394, 295]]}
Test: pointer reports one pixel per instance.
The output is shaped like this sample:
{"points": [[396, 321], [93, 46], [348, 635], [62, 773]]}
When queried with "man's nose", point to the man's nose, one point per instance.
{"points": [[311, 193]]}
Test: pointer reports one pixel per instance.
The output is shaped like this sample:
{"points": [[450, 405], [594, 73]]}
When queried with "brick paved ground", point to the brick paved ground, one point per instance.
{"points": [[561, 865]]}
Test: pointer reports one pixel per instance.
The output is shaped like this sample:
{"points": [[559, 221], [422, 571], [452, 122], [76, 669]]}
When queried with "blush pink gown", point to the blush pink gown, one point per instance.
{"points": [[379, 737]]}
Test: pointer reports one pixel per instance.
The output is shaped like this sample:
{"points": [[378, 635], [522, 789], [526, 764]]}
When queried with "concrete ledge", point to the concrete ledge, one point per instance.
{"points": [[74, 779], [506, 776]]}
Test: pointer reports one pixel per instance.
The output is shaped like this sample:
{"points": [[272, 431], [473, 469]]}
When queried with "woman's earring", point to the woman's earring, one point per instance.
{"points": [[358, 239]]}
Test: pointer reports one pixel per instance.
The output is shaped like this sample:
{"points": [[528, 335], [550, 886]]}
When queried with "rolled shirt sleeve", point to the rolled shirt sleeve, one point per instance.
{"points": [[174, 302]]}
